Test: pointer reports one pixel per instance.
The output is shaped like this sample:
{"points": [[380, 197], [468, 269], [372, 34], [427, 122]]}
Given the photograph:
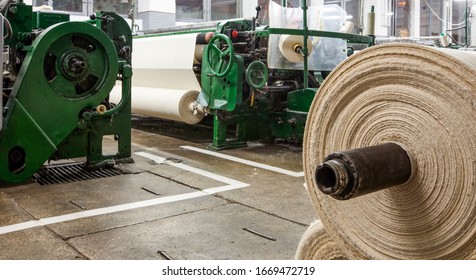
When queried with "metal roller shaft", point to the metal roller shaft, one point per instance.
{"points": [[348, 174]]}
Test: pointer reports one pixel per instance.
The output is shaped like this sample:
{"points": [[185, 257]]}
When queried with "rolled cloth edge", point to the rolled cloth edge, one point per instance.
{"points": [[425, 99], [316, 244]]}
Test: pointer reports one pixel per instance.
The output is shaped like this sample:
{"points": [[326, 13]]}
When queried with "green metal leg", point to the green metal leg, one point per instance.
{"points": [[220, 141]]}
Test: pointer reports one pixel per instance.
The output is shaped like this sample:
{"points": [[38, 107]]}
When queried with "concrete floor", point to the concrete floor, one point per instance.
{"points": [[201, 206]]}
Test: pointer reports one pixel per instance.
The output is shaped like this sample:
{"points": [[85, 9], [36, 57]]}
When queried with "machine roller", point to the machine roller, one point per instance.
{"points": [[389, 155], [56, 88]]}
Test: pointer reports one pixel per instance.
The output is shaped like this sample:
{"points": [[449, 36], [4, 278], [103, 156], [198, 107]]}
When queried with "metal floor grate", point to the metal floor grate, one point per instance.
{"points": [[71, 172]]}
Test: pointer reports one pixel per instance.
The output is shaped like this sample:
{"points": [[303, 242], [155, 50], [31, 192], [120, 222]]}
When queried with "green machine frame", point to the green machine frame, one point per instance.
{"points": [[224, 73], [56, 95]]}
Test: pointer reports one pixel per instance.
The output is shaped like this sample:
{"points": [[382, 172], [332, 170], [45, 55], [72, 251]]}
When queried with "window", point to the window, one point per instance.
{"points": [[460, 12], [431, 17], [402, 18], [87, 7], [67, 5], [74, 6], [207, 10], [293, 3], [434, 19], [121, 7], [337, 2], [189, 10], [353, 10], [224, 9], [353, 14]]}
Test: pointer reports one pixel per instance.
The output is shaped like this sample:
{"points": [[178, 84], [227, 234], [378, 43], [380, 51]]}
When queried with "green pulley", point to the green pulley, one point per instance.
{"points": [[76, 65], [257, 74]]}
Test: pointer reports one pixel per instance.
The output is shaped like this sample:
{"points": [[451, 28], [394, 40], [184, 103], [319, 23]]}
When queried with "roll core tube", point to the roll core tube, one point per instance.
{"points": [[348, 174]]}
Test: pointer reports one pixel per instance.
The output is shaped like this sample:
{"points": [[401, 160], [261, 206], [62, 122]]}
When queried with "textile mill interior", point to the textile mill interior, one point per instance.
{"points": [[238, 130]]}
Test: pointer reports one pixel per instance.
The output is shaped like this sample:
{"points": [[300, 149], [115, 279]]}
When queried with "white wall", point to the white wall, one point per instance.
{"points": [[163, 6], [154, 14], [249, 10]]}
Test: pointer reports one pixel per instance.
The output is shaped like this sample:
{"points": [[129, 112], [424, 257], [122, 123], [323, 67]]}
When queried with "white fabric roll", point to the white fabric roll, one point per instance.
{"points": [[347, 27], [287, 47], [170, 104], [163, 83], [165, 62]]}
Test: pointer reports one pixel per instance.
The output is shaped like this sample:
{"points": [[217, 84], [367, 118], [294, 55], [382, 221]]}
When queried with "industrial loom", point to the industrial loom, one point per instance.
{"points": [[57, 76], [255, 83]]}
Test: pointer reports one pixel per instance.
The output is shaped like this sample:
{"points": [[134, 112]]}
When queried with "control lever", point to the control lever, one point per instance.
{"points": [[258, 9]]}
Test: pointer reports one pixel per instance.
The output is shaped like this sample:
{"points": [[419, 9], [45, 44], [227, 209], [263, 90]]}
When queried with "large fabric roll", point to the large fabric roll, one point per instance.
{"points": [[316, 244], [424, 99]]}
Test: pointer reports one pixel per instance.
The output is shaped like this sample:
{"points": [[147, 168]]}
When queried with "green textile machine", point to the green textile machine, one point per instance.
{"points": [[249, 96], [57, 77]]}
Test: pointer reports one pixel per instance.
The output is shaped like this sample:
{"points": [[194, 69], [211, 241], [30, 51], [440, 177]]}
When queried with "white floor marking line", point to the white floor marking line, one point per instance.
{"points": [[232, 185], [245, 161], [162, 160]]}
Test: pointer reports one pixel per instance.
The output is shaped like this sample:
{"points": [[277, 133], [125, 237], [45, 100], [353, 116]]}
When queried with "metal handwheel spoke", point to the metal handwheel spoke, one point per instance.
{"points": [[215, 49], [63, 84], [217, 57], [225, 53], [220, 65], [96, 69]]}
